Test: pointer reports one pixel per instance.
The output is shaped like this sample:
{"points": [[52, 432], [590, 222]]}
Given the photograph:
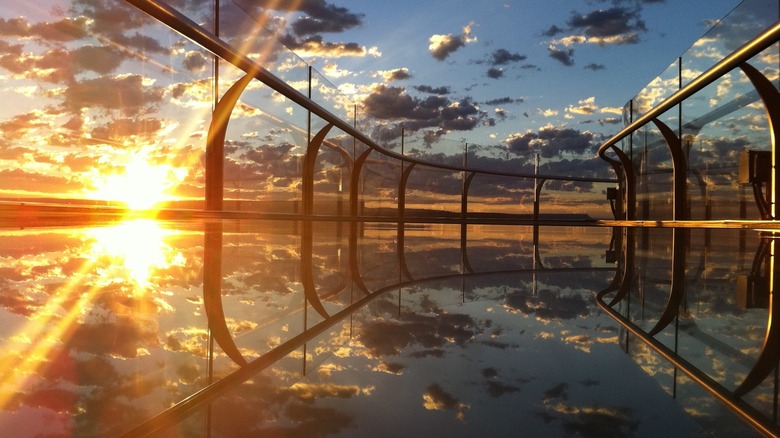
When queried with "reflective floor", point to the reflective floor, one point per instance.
{"points": [[280, 328]]}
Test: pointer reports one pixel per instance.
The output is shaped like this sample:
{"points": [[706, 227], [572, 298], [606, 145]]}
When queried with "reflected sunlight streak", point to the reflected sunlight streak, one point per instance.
{"points": [[138, 243]]}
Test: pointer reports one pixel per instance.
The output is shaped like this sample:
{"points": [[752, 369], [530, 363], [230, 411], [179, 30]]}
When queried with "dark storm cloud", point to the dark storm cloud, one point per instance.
{"points": [[595, 67], [564, 56], [495, 73], [433, 90], [504, 57]]}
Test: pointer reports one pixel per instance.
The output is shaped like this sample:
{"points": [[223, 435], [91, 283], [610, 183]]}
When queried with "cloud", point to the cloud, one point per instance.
{"points": [[504, 57], [128, 92], [552, 31], [443, 46], [495, 73], [436, 398], [394, 103], [551, 141], [504, 101], [586, 107], [617, 24], [433, 90], [195, 62], [324, 17], [398, 74], [564, 56], [316, 46]]}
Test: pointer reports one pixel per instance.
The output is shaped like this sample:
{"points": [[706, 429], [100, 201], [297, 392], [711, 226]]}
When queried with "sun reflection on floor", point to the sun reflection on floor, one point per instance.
{"points": [[137, 246]]}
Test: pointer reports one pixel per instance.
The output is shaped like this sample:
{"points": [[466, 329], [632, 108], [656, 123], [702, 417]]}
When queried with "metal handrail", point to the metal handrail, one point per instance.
{"points": [[753, 47], [209, 41]]}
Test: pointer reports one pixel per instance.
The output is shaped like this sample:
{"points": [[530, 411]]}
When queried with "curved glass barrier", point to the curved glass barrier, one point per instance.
{"points": [[718, 127]]}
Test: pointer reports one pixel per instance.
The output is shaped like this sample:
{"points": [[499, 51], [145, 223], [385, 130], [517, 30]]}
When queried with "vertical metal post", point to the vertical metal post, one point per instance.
{"points": [[464, 187], [214, 158]]}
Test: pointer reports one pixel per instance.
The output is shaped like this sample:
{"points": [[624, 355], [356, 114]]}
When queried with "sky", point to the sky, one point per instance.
{"points": [[526, 64], [105, 103]]}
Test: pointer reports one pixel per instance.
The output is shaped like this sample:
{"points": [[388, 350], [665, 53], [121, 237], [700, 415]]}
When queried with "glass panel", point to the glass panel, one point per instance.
{"points": [[103, 111]]}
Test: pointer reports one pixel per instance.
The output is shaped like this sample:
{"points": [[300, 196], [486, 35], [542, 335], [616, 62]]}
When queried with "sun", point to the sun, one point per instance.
{"points": [[141, 186]]}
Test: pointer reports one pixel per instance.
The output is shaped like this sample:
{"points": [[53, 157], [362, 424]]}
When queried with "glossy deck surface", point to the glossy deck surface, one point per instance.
{"points": [[284, 328]]}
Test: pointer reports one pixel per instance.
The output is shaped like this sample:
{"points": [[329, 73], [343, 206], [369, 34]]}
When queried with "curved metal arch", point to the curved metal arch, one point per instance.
{"points": [[307, 269], [679, 169], [537, 197], [771, 99], [354, 179], [308, 168], [770, 350], [628, 268], [212, 292], [402, 189], [215, 142], [630, 184], [464, 197]]}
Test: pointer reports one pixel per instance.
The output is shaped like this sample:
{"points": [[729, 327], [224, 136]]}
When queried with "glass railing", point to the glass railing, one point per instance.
{"points": [[714, 126], [142, 120]]}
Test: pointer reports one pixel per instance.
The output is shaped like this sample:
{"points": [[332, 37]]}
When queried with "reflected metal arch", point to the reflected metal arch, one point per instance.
{"points": [[770, 349], [767, 360], [192, 404], [212, 292], [677, 288], [749, 414]]}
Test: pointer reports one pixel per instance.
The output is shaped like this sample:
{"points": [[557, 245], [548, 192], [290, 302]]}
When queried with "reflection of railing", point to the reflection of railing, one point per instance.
{"points": [[765, 89], [213, 247], [766, 361], [217, 131]]}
